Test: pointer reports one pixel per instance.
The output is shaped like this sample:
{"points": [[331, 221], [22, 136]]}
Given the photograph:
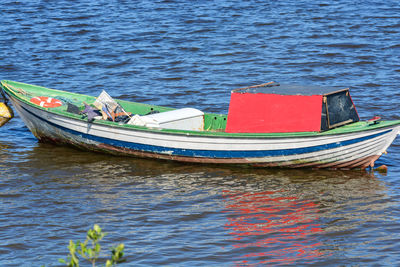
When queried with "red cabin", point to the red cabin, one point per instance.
{"points": [[279, 108]]}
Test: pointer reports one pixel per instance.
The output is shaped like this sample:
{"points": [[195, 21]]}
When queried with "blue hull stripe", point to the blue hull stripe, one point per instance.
{"points": [[210, 153]]}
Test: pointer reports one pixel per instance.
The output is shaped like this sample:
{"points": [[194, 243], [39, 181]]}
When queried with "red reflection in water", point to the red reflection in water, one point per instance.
{"points": [[282, 225]]}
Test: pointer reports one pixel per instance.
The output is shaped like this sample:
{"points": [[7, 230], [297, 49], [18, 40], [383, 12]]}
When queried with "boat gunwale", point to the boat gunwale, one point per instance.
{"points": [[348, 129], [219, 160]]}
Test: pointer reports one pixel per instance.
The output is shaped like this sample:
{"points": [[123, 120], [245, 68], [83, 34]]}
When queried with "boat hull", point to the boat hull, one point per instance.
{"points": [[345, 151]]}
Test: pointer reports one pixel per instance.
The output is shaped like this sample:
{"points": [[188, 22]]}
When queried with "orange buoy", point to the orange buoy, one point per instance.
{"points": [[6, 113], [46, 102]]}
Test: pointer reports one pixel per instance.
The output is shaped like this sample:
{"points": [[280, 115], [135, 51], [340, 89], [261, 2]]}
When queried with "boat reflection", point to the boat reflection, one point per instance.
{"points": [[271, 228]]}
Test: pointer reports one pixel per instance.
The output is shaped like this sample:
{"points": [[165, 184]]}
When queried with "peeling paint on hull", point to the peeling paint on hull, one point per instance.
{"points": [[345, 151]]}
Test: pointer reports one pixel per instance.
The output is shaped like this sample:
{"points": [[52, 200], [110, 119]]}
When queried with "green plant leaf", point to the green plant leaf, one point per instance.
{"points": [[97, 248], [92, 253], [97, 228], [117, 254]]}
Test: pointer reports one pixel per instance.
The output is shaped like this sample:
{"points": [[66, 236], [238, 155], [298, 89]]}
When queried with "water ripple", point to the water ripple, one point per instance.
{"points": [[183, 54]]}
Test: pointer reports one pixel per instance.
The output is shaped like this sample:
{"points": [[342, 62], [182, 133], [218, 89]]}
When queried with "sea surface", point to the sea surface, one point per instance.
{"points": [[192, 54]]}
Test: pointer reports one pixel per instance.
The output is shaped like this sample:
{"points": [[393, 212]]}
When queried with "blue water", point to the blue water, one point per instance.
{"points": [[192, 54]]}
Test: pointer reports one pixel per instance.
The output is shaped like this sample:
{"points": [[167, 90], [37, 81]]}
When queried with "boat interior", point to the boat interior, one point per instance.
{"points": [[209, 121]]}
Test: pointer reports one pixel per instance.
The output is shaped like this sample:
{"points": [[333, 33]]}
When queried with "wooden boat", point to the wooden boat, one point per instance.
{"points": [[354, 144]]}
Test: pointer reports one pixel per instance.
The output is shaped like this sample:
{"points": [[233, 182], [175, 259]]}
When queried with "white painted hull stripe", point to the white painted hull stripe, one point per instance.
{"points": [[210, 153]]}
